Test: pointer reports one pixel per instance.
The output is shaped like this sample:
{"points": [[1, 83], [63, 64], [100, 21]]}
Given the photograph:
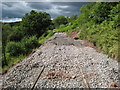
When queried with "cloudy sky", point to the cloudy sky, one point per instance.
{"points": [[14, 11]]}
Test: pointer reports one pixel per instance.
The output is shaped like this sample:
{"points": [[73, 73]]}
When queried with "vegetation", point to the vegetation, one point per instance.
{"points": [[36, 23], [20, 38], [60, 20], [98, 22]]}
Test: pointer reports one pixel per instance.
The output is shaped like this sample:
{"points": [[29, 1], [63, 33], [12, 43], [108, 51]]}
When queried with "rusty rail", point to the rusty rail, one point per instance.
{"points": [[84, 79], [38, 77]]}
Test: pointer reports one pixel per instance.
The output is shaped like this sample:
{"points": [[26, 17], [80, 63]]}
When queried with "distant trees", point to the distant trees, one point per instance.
{"points": [[16, 35], [72, 18], [60, 20], [36, 23]]}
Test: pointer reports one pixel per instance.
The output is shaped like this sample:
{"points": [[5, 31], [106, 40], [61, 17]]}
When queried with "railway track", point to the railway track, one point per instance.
{"points": [[62, 62], [84, 80], [38, 77]]}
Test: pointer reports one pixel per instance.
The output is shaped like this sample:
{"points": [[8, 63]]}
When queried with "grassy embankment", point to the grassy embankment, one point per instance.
{"points": [[98, 23]]}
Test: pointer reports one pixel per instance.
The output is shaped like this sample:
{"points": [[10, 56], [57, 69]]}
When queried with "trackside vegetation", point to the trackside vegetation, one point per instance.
{"points": [[98, 23], [21, 38]]}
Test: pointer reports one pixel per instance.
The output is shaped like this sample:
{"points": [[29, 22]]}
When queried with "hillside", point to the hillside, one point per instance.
{"points": [[62, 62]]}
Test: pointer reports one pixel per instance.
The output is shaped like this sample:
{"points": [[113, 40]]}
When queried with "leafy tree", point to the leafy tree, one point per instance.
{"points": [[60, 20], [29, 43], [14, 48], [6, 30], [36, 23], [115, 15], [101, 11], [72, 18], [16, 35], [85, 15]]}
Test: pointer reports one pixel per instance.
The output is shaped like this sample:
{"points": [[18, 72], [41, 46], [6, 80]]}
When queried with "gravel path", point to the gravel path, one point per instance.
{"points": [[68, 64]]}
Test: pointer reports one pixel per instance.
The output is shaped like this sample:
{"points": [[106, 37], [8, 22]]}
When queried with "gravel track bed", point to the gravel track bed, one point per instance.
{"points": [[63, 58]]}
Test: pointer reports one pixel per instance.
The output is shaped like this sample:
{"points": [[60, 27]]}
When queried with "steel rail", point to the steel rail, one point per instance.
{"points": [[38, 77]]}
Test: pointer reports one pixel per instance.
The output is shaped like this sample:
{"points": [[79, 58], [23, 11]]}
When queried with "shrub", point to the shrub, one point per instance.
{"points": [[16, 36], [30, 43], [62, 26], [14, 48]]}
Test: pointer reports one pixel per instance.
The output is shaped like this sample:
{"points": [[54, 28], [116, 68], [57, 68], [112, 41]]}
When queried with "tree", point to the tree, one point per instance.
{"points": [[6, 30], [115, 15], [101, 11], [73, 18], [60, 20], [85, 15], [36, 23], [17, 34]]}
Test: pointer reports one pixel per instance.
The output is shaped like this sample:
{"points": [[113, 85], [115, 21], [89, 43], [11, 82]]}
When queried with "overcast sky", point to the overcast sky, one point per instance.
{"points": [[14, 11]]}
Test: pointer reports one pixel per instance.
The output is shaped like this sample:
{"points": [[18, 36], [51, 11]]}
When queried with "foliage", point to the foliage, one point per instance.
{"points": [[29, 43], [102, 26], [72, 18], [11, 60], [43, 37], [36, 23], [6, 30], [60, 20], [14, 48], [99, 23], [20, 38], [16, 35]]}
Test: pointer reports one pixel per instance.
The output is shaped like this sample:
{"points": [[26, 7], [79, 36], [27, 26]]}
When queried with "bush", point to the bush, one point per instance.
{"points": [[62, 26], [60, 20], [14, 48], [30, 43], [16, 36]]}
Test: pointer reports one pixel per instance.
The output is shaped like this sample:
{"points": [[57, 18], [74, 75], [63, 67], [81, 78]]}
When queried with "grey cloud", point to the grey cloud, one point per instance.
{"points": [[72, 5], [9, 4], [14, 9], [39, 5], [57, 8], [18, 9]]}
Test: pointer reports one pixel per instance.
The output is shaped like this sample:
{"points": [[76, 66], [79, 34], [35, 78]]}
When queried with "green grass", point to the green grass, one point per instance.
{"points": [[43, 37], [12, 61]]}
